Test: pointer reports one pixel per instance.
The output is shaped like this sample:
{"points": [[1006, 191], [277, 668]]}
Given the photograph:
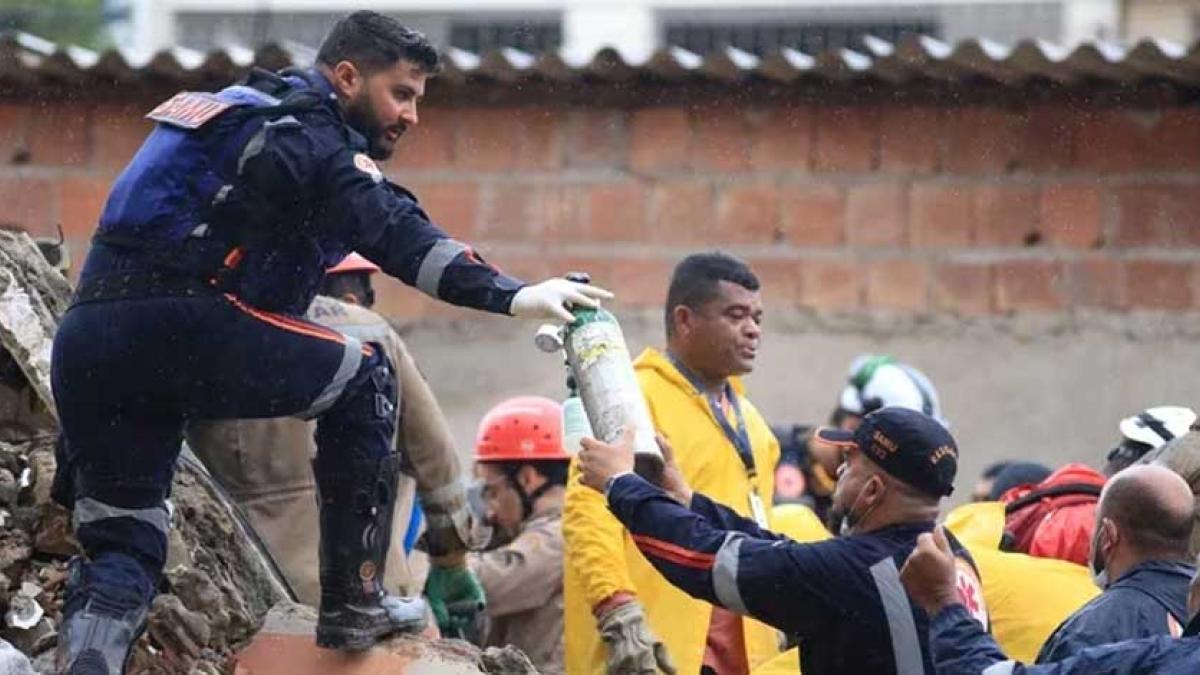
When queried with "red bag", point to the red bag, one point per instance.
{"points": [[1056, 517]]}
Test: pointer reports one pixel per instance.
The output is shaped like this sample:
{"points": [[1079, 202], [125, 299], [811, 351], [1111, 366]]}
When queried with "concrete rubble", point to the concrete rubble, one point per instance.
{"points": [[219, 585]]}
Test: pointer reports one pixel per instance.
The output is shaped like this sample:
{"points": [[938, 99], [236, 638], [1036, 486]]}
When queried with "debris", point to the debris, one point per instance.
{"points": [[23, 611], [54, 535]]}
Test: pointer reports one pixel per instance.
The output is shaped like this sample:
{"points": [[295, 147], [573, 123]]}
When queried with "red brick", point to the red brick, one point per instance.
{"points": [[781, 138], [749, 214], [720, 139], [430, 144], [658, 138], [980, 140], [781, 281], [1072, 215], [1095, 282], [597, 139], [681, 212], [453, 205], [81, 199], [1177, 139], [540, 144], [278, 653], [1029, 285], [941, 215], [1006, 215], [1158, 284], [1047, 138], [617, 211], [30, 204], [510, 213], [643, 282], [814, 214], [909, 139], [58, 135], [508, 138], [1157, 215], [847, 138], [898, 285], [117, 133], [486, 139], [829, 284], [14, 132], [877, 214], [563, 212], [1121, 140], [962, 288]]}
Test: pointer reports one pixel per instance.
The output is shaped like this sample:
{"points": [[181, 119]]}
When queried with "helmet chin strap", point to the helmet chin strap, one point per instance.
{"points": [[527, 498]]}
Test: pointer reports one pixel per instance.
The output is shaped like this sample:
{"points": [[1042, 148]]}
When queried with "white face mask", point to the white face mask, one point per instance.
{"points": [[1096, 564]]}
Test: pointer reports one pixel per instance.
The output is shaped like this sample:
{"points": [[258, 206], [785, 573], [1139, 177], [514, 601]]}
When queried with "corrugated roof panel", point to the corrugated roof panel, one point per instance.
{"points": [[28, 59]]}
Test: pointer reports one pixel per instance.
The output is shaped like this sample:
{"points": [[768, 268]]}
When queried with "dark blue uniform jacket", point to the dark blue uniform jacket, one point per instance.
{"points": [[841, 598], [260, 188], [1148, 600], [961, 648]]}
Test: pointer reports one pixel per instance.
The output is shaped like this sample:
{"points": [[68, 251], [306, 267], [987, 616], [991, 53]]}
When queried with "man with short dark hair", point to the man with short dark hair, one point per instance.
{"points": [[841, 598], [622, 616], [1140, 558], [210, 247]]}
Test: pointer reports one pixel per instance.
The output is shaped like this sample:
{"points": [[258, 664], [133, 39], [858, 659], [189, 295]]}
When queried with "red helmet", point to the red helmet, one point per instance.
{"points": [[522, 428], [353, 263]]}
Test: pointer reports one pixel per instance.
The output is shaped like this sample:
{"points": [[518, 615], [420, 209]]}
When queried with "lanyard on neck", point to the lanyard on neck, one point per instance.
{"points": [[740, 437]]}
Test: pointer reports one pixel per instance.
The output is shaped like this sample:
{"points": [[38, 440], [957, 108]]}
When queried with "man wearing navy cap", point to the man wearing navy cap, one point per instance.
{"points": [[841, 599]]}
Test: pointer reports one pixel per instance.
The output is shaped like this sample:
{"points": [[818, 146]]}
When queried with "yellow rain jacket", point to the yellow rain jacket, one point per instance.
{"points": [[1027, 597], [600, 557]]}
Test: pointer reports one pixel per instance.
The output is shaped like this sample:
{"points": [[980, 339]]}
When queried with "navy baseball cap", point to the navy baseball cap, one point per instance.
{"points": [[907, 444]]}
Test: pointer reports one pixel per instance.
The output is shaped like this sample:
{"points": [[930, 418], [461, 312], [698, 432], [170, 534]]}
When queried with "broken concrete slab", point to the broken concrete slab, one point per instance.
{"points": [[286, 646]]}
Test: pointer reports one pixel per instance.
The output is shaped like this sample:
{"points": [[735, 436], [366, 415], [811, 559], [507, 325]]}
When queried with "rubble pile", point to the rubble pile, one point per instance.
{"points": [[219, 584]]}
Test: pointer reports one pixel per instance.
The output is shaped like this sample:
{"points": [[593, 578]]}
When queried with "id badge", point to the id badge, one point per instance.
{"points": [[757, 510]]}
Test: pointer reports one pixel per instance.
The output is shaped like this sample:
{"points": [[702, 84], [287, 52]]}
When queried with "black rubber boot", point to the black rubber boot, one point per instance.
{"points": [[357, 504], [99, 626]]}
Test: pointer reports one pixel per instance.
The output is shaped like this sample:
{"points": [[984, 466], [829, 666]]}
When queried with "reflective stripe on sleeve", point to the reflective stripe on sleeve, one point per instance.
{"points": [[88, 510], [725, 573], [906, 646], [439, 257]]}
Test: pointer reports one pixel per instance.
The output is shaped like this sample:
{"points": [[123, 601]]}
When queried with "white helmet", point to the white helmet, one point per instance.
{"points": [[1156, 426], [877, 381]]}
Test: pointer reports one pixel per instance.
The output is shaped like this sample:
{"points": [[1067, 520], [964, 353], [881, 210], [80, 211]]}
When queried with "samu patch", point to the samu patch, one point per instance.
{"points": [[189, 109], [367, 165]]}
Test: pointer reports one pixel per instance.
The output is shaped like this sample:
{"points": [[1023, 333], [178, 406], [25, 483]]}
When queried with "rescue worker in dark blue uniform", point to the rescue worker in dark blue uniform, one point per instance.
{"points": [[841, 598], [961, 647], [1143, 528], [211, 245]]}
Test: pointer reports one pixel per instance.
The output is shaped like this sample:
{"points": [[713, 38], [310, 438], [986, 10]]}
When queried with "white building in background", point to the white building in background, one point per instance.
{"points": [[638, 27]]}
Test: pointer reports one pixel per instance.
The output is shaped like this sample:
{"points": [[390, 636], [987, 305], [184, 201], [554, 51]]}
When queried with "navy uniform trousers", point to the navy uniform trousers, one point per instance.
{"points": [[127, 374]]}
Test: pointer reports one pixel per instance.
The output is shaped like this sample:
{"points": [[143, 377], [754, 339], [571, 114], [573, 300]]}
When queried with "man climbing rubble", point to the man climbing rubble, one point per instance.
{"points": [[211, 244], [265, 464]]}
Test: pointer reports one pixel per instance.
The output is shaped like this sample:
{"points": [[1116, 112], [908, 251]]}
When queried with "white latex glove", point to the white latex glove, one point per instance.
{"points": [[548, 300]]}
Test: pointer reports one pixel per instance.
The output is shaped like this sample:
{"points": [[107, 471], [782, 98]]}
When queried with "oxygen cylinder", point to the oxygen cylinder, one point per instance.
{"points": [[603, 371]]}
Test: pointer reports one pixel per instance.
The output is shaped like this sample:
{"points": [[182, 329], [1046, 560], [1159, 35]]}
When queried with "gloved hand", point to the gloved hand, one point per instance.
{"points": [[456, 598], [548, 300], [632, 648]]}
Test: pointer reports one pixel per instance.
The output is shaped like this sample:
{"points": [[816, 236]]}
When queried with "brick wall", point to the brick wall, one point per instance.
{"points": [[914, 208]]}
